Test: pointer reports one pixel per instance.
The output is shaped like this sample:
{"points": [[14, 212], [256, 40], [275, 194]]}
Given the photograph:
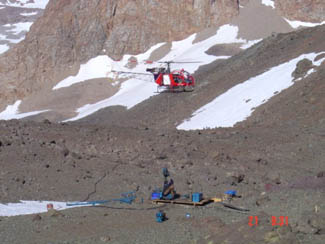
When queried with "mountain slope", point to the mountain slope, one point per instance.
{"points": [[215, 79], [50, 55], [84, 29], [274, 159]]}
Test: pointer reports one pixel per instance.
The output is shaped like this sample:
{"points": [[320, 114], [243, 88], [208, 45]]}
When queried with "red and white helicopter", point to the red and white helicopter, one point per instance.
{"points": [[167, 80]]}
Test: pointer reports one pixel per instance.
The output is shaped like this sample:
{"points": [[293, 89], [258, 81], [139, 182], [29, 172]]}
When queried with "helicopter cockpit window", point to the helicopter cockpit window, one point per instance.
{"points": [[186, 74], [187, 77], [177, 78]]}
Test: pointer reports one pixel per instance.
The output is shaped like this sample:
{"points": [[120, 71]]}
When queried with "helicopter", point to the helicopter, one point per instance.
{"points": [[167, 80], [176, 80]]}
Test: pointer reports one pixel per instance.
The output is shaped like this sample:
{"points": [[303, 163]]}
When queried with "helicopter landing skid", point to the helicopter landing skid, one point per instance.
{"points": [[188, 88], [163, 89]]}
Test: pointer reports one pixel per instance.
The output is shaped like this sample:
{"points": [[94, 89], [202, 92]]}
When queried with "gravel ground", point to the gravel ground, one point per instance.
{"points": [[275, 161]]}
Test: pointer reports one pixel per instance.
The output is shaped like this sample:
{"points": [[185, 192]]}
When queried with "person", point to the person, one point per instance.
{"points": [[168, 192]]}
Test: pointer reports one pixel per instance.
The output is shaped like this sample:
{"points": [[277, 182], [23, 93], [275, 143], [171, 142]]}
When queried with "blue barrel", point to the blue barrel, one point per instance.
{"points": [[197, 197]]}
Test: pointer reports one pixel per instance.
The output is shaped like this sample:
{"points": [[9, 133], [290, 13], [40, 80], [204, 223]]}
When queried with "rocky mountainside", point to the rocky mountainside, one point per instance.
{"points": [[273, 157], [275, 161], [308, 10], [81, 30], [218, 77]]}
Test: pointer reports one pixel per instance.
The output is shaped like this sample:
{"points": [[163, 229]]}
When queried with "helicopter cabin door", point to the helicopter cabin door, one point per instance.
{"points": [[166, 80]]}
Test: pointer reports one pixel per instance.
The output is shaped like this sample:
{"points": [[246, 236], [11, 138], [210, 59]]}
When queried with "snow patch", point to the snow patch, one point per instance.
{"points": [[3, 48], [27, 4], [132, 92], [30, 207], [250, 44], [19, 27], [239, 102], [16, 30], [12, 112], [95, 68], [296, 24], [29, 14], [102, 67], [185, 50], [268, 3], [144, 56]]}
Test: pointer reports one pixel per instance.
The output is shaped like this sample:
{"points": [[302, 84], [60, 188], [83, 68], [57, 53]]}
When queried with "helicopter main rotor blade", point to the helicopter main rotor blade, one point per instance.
{"points": [[192, 62], [127, 72]]}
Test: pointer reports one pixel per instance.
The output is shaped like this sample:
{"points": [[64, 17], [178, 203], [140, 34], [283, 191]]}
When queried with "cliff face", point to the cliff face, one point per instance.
{"points": [[136, 25], [71, 32], [303, 10]]}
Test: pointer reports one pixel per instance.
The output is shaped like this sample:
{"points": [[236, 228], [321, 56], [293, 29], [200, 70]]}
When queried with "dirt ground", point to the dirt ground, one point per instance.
{"points": [[273, 169], [275, 161]]}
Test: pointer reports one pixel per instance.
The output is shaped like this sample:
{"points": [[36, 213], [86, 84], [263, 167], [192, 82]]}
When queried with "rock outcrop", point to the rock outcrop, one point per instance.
{"points": [[303, 10]]}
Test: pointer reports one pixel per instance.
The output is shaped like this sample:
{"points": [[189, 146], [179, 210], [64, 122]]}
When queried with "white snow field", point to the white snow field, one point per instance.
{"points": [[137, 88], [12, 112], [30, 207], [95, 68], [239, 102], [126, 96]]}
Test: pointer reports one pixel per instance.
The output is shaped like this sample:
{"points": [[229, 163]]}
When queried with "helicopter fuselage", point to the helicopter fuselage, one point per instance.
{"points": [[177, 79]]}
